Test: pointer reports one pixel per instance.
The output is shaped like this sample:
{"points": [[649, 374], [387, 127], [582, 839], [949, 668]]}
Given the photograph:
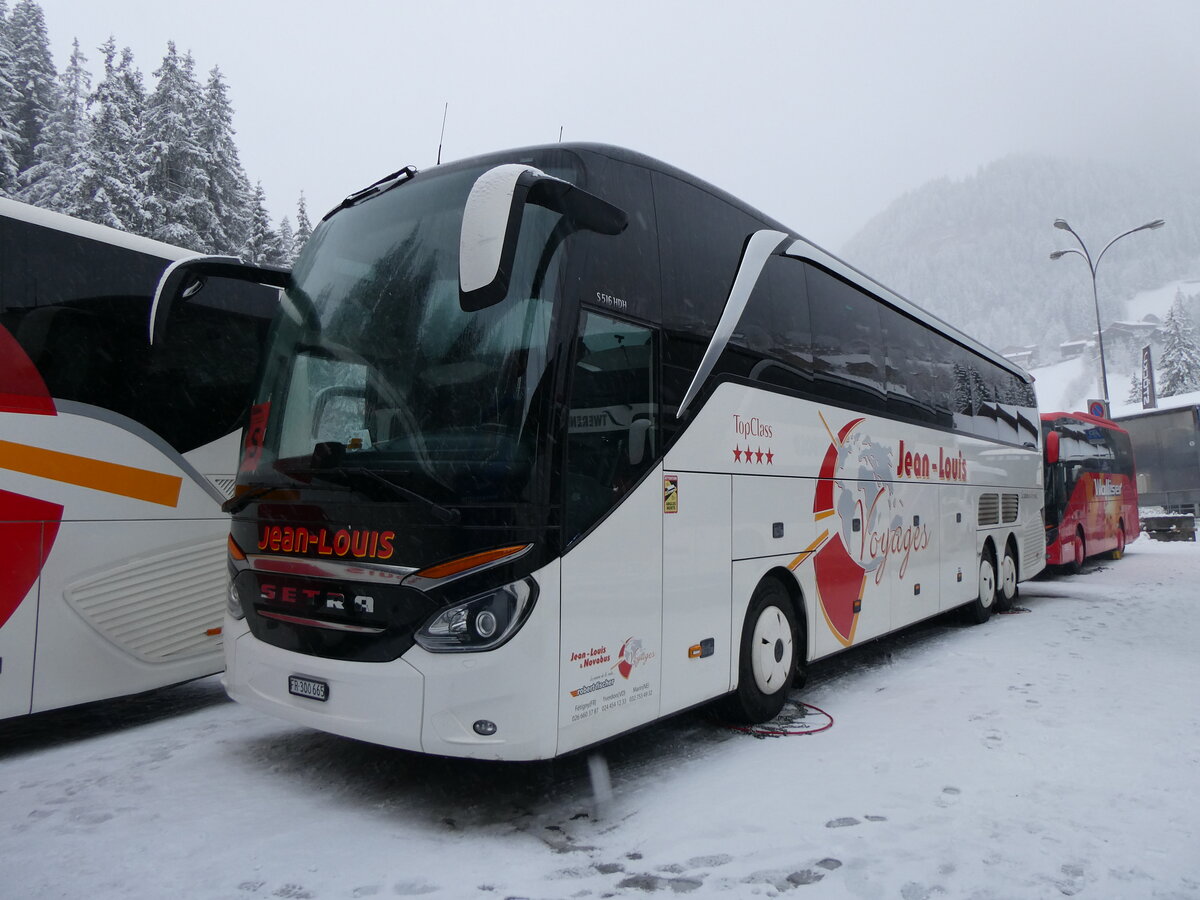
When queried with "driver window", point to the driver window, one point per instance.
{"points": [[612, 432]]}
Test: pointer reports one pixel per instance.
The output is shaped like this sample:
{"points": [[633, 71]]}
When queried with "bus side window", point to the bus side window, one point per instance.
{"points": [[915, 383], [70, 349], [612, 433], [847, 341], [775, 331], [701, 238]]}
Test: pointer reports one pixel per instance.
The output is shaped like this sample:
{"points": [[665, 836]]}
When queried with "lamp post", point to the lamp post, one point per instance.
{"points": [[1092, 265]]}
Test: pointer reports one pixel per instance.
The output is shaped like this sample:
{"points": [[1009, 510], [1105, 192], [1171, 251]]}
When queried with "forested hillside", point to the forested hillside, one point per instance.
{"points": [[976, 251], [160, 161]]}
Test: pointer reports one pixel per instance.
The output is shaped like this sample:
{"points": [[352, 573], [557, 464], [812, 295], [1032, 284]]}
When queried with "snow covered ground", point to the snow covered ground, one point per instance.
{"points": [[1046, 753]]}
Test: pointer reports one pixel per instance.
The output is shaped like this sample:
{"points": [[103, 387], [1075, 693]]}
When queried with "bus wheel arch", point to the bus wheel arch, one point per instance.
{"points": [[769, 650], [1007, 576]]}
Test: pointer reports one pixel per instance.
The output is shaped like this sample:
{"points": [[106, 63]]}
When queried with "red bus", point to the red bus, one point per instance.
{"points": [[1091, 488]]}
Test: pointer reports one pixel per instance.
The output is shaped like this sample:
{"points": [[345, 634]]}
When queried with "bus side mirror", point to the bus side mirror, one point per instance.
{"points": [[186, 277], [491, 225], [1052, 448]]}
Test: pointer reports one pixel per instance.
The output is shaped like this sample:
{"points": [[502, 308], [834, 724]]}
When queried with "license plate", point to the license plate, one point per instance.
{"points": [[308, 687]]}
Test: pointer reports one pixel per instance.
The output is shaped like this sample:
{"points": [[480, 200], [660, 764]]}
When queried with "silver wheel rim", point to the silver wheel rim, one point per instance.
{"points": [[987, 583], [771, 650], [1009, 577]]}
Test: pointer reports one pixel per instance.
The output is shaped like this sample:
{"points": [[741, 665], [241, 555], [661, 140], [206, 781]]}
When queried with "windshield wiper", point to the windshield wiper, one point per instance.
{"points": [[239, 502], [383, 185], [442, 513]]}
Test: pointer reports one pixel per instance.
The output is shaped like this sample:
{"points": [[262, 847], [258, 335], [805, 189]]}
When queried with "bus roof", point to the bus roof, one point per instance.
{"points": [[799, 246], [13, 209]]}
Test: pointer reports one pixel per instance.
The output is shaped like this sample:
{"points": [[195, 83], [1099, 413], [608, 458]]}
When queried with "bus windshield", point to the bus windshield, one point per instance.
{"points": [[374, 364]]}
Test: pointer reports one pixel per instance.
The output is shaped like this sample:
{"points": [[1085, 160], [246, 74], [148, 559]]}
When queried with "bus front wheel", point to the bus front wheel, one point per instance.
{"points": [[1079, 551], [767, 663], [980, 609]]}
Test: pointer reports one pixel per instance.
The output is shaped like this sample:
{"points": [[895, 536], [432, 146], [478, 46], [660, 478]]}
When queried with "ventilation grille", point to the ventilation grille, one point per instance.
{"points": [[159, 608], [223, 483], [989, 509], [1034, 540], [1010, 505]]}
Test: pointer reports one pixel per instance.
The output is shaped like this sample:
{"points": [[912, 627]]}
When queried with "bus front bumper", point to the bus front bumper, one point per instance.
{"points": [[424, 702], [380, 703]]}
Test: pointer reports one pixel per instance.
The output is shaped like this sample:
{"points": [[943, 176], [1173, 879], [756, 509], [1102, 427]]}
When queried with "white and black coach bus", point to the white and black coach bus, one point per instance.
{"points": [[115, 458], [554, 442]]}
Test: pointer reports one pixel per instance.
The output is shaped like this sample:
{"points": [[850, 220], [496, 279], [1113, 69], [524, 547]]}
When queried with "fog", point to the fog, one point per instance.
{"points": [[819, 114]]}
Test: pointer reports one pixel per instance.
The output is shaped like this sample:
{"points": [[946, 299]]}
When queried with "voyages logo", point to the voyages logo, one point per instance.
{"points": [[873, 533], [632, 655]]}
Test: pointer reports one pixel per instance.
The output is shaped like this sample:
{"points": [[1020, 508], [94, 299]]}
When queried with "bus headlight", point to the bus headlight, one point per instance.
{"points": [[481, 623], [233, 605]]}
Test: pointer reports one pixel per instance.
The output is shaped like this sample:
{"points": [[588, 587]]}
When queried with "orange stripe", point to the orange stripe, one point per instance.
{"points": [[455, 566], [112, 478], [807, 552]]}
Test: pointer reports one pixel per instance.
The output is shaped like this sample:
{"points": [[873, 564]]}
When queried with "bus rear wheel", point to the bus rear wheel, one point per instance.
{"points": [[1007, 589], [1119, 551], [767, 663]]}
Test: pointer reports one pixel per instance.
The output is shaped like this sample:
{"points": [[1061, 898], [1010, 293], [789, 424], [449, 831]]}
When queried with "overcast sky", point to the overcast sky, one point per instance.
{"points": [[819, 113]]}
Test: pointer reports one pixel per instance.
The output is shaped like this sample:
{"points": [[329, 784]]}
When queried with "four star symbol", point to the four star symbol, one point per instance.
{"points": [[754, 456]]}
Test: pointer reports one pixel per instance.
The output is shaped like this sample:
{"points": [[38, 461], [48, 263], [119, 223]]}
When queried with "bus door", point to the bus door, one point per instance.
{"points": [[697, 589], [611, 575]]}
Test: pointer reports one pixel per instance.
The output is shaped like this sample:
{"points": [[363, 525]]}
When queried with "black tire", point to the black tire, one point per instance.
{"points": [[981, 608], [767, 661], [1075, 566], [1006, 581], [800, 670]]}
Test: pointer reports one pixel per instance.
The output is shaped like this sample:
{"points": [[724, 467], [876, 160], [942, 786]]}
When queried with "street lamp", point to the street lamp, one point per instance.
{"points": [[1092, 265]]}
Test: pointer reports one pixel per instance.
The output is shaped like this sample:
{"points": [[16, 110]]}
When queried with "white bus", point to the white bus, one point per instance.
{"points": [[114, 461], [555, 442]]}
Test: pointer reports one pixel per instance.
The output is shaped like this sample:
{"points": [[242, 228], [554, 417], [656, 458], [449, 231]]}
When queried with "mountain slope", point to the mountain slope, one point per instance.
{"points": [[976, 251]]}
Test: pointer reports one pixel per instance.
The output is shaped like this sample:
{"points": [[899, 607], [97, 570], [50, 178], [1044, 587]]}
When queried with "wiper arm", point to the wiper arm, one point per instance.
{"points": [[239, 502], [384, 184], [443, 513]]}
